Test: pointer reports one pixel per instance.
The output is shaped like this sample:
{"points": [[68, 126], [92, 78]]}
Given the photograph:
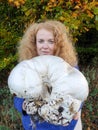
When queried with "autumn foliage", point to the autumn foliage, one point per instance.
{"points": [[16, 3]]}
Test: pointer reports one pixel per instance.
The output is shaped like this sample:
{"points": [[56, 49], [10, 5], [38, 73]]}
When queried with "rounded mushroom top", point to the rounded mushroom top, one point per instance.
{"points": [[43, 76]]}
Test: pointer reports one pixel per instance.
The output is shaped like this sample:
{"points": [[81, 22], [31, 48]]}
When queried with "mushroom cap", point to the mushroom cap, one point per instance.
{"points": [[29, 78]]}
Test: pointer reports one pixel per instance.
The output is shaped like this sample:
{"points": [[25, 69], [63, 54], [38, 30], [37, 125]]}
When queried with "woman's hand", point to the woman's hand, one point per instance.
{"points": [[76, 116]]}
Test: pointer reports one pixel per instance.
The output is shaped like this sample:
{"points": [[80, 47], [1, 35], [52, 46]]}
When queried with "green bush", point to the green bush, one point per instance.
{"points": [[87, 47], [90, 113], [9, 118]]}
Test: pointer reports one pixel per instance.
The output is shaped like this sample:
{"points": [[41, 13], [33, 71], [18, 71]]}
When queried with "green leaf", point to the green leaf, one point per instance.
{"points": [[96, 17], [94, 92], [27, 13], [4, 128], [96, 10]]}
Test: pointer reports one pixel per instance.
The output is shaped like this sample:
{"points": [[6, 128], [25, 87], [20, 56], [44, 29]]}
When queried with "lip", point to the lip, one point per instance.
{"points": [[45, 52]]}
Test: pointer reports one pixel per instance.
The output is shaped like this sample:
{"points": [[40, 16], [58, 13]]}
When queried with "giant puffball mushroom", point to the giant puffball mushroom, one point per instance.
{"points": [[61, 87]]}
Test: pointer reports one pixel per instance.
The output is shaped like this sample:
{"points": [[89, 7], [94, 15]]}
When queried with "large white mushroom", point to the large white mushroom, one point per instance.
{"points": [[60, 87]]}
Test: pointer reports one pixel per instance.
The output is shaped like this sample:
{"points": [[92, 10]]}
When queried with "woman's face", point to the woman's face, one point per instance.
{"points": [[45, 42]]}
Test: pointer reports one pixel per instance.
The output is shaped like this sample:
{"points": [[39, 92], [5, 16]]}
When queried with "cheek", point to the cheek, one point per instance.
{"points": [[52, 47], [38, 46]]}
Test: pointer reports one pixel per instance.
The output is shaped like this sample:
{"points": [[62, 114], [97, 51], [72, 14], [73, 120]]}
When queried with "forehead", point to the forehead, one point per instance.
{"points": [[43, 33]]}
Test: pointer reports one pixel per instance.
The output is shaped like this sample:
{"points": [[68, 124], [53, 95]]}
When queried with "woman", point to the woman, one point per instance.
{"points": [[47, 38]]}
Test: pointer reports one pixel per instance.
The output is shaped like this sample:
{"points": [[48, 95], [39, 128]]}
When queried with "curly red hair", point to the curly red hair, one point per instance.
{"points": [[63, 45]]}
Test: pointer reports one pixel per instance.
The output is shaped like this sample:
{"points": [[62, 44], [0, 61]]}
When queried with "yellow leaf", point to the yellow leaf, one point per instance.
{"points": [[86, 29], [90, 14], [62, 18], [27, 13], [77, 7], [74, 14], [52, 1], [10, 1]]}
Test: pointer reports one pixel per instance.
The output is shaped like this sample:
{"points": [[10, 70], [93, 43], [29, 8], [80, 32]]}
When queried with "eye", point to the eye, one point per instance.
{"points": [[40, 41], [51, 41]]}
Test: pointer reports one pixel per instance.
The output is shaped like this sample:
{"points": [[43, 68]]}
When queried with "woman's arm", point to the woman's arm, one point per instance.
{"points": [[79, 123]]}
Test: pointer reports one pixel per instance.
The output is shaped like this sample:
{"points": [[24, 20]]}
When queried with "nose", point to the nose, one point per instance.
{"points": [[45, 45], [60, 109]]}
